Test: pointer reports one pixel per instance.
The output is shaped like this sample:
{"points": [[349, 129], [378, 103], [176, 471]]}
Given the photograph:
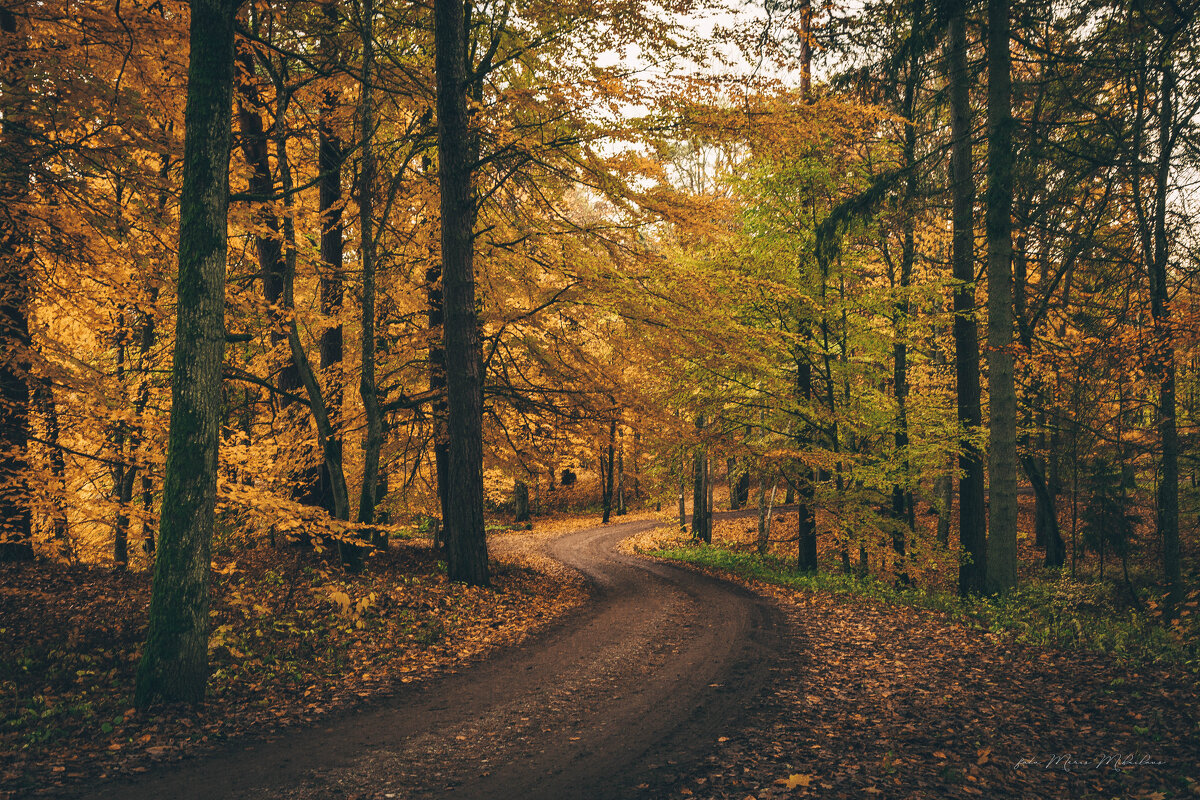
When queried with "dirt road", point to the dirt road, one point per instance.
{"points": [[617, 701]]}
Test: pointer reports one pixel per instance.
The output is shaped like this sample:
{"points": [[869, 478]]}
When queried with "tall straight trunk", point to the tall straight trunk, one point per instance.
{"points": [[762, 540], [972, 519], [902, 497], [174, 665], [435, 310], [682, 492], [123, 472], [466, 557], [43, 397], [806, 526], [1002, 439], [637, 470], [699, 489], [606, 472], [620, 490], [268, 246], [147, 336], [329, 199], [373, 441], [331, 450], [1167, 517], [16, 541], [731, 480]]}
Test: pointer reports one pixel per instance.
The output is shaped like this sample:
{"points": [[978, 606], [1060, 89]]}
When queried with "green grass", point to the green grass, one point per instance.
{"points": [[1058, 613]]}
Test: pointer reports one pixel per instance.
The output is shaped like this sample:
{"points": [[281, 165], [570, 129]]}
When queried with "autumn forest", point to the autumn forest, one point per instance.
{"points": [[830, 369]]}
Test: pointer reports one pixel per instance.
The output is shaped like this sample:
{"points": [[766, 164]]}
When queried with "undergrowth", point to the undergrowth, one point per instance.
{"points": [[1057, 613]]}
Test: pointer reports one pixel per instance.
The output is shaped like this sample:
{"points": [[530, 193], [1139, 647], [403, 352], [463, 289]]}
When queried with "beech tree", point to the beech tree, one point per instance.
{"points": [[174, 665], [466, 545]]}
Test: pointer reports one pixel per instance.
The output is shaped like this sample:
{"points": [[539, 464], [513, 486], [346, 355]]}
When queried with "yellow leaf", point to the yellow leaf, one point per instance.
{"points": [[792, 781]]}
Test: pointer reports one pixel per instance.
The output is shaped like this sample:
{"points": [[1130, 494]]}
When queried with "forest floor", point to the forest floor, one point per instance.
{"points": [[644, 679], [891, 701], [294, 639]]}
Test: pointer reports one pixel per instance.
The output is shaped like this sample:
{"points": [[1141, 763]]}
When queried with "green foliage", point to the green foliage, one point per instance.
{"points": [[1057, 613], [1108, 520]]}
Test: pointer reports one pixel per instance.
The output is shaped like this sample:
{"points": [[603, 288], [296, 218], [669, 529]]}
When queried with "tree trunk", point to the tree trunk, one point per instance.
{"points": [[16, 542], [373, 441], [44, 399], [902, 497], [1167, 518], [699, 489], [708, 506], [174, 665], [972, 519], [1002, 441], [329, 198], [606, 472], [682, 492], [520, 501], [806, 533], [621, 479], [466, 557]]}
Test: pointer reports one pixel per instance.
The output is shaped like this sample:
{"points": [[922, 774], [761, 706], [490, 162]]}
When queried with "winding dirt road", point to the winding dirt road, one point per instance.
{"points": [[618, 701]]}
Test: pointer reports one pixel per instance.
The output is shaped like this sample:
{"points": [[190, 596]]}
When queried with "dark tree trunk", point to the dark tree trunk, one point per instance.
{"points": [[520, 501], [606, 473], [902, 497], [700, 490], [44, 399], [123, 473], [373, 441], [16, 543], [682, 492], [620, 490], [1002, 440], [326, 434], [466, 557], [730, 472], [1167, 517], [174, 665], [806, 532], [742, 489], [329, 199], [972, 519]]}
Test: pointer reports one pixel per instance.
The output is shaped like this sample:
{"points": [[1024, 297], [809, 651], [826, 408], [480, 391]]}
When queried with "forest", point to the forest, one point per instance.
{"points": [[333, 330]]}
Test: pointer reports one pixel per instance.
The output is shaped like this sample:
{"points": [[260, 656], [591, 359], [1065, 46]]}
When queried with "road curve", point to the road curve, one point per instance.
{"points": [[615, 702]]}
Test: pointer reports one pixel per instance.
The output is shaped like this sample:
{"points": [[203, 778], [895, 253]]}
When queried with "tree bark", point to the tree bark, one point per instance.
{"points": [[1167, 516], [373, 441], [1002, 441], [174, 665], [902, 497], [699, 489], [972, 519], [520, 501], [16, 541], [466, 557], [806, 532], [329, 199], [606, 473]]}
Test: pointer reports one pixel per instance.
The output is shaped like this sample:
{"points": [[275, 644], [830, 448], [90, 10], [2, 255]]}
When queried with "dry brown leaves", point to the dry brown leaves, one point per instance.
{"points": [[286, 650], [872, 700]]}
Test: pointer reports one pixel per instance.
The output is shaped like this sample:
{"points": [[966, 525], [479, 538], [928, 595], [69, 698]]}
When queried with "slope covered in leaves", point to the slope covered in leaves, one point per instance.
{"points": [[874, 699], [291, 643]]}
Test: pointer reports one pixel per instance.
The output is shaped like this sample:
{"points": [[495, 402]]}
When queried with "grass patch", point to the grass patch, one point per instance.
{"points": [[1057, 613]]}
